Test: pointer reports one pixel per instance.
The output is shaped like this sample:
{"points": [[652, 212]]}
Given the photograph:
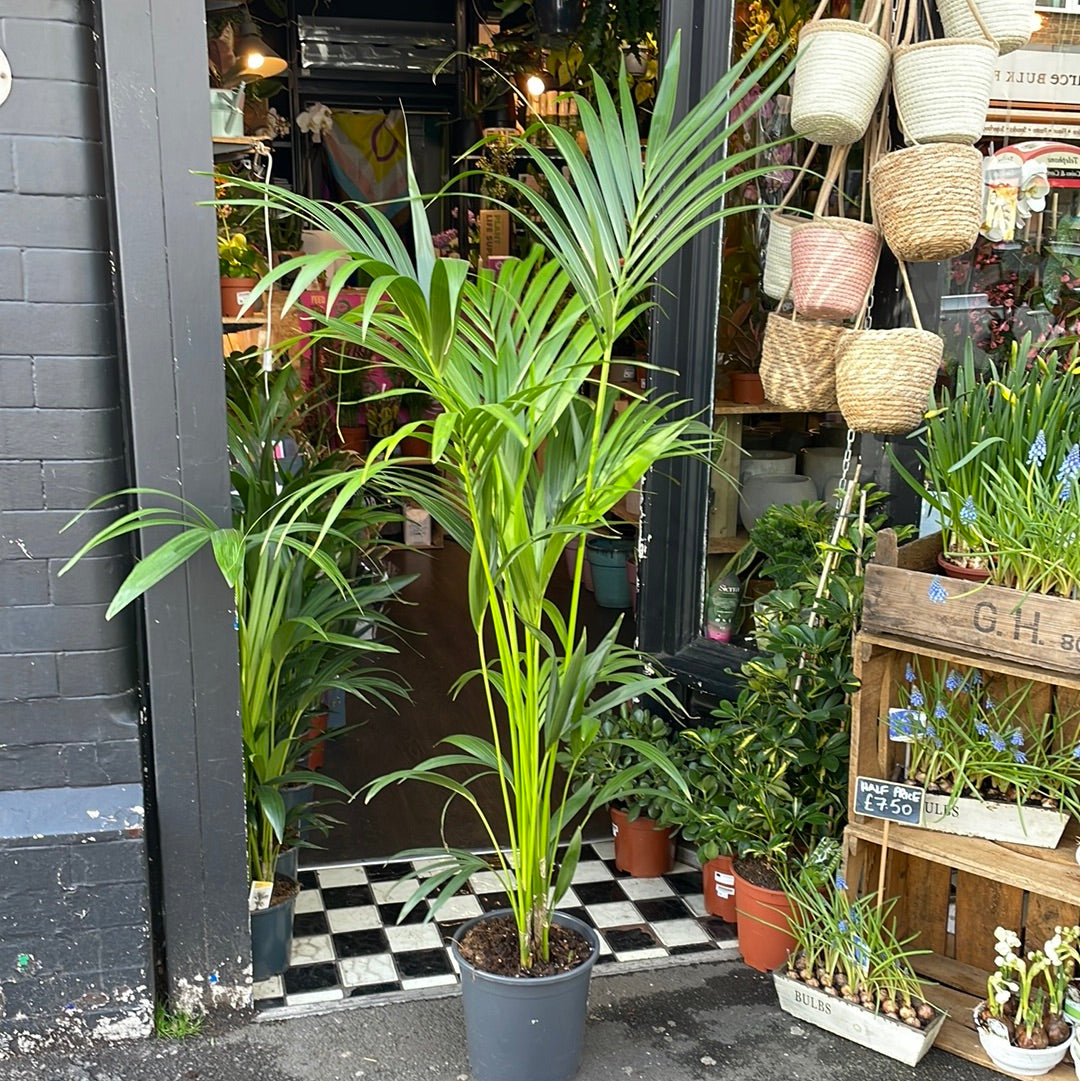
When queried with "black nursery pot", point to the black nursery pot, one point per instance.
{"points": [[527, 1029]]}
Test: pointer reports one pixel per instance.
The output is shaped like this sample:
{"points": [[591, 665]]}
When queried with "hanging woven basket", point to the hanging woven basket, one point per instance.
{"points": [[884, 378], [942, 89], [1009, 22], [928, 200], [776, 272], [798, 364], [839, 76], [833, 261], [776, 276]]}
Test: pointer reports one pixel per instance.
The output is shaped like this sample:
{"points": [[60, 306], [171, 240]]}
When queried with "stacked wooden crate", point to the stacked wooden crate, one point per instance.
{"points": [[955, 890]]}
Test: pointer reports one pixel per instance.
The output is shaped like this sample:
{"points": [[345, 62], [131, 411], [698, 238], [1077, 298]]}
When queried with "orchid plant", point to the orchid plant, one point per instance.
{"points": [[1025, 994], [963, 742]]}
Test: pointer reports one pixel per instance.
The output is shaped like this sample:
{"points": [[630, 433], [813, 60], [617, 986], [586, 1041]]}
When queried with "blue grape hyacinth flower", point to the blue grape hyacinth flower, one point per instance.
{"points": [[936, 592], [997, 742], [917, 697], [1020, 757], [1036, 454], [968, 512], [953, 682], [1017, 738], [940, 712]]}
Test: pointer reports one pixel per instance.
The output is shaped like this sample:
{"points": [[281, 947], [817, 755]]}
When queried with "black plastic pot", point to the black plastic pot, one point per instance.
{"points": [[271, 938], [558, 17], [521, 1028]]}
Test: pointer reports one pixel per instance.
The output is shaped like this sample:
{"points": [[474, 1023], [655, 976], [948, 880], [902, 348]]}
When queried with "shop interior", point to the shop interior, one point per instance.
{"points": [[319, 97]]}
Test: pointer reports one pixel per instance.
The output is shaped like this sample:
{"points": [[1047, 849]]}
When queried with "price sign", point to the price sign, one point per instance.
{"points": [[884, 799]]}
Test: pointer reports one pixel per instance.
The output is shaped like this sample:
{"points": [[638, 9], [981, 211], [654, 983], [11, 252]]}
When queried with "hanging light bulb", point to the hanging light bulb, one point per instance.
{"points": [[254, 58], [535, 86]]}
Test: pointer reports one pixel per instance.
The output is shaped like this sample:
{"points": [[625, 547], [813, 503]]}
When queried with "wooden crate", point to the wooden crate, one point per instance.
{"points": [[907, 596], [953, 892], [880, 662]]}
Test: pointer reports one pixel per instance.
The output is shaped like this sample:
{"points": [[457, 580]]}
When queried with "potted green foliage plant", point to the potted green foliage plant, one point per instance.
{"points": [[239, 266], [643, 847], [532, 453], [295, 614], [780, 747]]}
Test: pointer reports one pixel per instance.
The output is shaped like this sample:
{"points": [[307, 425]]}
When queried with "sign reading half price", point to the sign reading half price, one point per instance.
{"points": [[886, 799]]}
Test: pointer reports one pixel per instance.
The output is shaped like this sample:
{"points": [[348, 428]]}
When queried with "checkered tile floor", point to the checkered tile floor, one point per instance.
{"points": [[348, 944]]}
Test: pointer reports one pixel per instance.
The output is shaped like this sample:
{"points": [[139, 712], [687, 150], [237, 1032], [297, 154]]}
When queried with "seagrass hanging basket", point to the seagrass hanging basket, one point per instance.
{"points": [[776, 274], [1009, 22], [884, 377], [798, 363], [833, 262], [841, 70], [928, 200]]}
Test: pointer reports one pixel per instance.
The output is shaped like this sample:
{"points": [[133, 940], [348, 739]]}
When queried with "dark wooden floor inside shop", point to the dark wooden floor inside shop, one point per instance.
{"points": [[437, 646]]}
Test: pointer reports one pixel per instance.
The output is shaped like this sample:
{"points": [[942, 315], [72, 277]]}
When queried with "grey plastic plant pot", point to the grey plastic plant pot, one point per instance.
{"points": [[525, 1029], [271, 939]]}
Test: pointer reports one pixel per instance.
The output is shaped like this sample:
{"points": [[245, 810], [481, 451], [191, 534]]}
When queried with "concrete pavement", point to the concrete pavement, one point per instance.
{"points": [[691, 1023]]}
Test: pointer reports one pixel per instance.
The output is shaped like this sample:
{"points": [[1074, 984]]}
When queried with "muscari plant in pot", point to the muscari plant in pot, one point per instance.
{"points": [[848, 972], [510, 363], [294, 611], [643, 847]]}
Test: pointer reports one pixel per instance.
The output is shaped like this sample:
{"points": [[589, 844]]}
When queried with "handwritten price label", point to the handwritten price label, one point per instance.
{"points": [[884, 799]]}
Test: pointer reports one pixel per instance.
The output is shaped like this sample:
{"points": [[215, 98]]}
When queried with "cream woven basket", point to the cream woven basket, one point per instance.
{"points": [[1010, 22], [841, 71], [942, 89]]}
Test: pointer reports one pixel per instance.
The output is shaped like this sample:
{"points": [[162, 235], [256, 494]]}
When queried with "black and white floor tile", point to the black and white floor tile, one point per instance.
{"points": [[349, 944]]}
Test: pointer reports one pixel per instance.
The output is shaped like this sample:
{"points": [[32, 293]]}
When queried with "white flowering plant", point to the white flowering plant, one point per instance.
{"points": [[964, 742], [1025, 994]]}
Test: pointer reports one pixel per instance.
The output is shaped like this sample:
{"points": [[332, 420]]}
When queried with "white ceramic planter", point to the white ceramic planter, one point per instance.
{"points": [[820, 463], [877, 1031], [760, 493], [766, 463], [1074, 1046], [1035, 826], [1019, 1060]]}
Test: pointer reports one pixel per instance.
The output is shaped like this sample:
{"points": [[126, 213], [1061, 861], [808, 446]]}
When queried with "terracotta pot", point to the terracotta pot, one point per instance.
{"points": [[355, 438], [718, 882], [746, 388], [234, 291], [412, 446], [641, 849], [316, 757], [764, 940], [968, 574]]}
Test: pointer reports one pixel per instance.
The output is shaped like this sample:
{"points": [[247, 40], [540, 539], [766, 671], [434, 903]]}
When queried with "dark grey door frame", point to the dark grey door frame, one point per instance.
{"points": [[156, 130], [683, 340]]}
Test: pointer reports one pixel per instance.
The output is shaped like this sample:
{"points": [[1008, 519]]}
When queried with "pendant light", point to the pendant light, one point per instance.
{"points": [[254, 58]]}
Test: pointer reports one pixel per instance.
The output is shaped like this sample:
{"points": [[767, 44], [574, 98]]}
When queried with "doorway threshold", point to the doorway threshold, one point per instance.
{"points": [[350, 950]]}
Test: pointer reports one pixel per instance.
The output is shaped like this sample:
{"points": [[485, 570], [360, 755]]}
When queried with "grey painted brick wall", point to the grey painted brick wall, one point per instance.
{"points": [[74, 924]]}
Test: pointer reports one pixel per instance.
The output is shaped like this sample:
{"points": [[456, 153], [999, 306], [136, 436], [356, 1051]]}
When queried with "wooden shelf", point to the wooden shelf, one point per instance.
{"points": [[1052, 873], [722, 545], [739, 409], [245, 322], [236, 147]]}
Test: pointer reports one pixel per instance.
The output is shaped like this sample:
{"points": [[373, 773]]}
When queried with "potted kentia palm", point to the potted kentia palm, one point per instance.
{"points": [[531, 454], [295, 618]]}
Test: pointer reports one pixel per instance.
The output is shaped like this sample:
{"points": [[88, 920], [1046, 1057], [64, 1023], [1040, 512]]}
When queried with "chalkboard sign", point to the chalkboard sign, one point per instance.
{"points": [[884, 799]]}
